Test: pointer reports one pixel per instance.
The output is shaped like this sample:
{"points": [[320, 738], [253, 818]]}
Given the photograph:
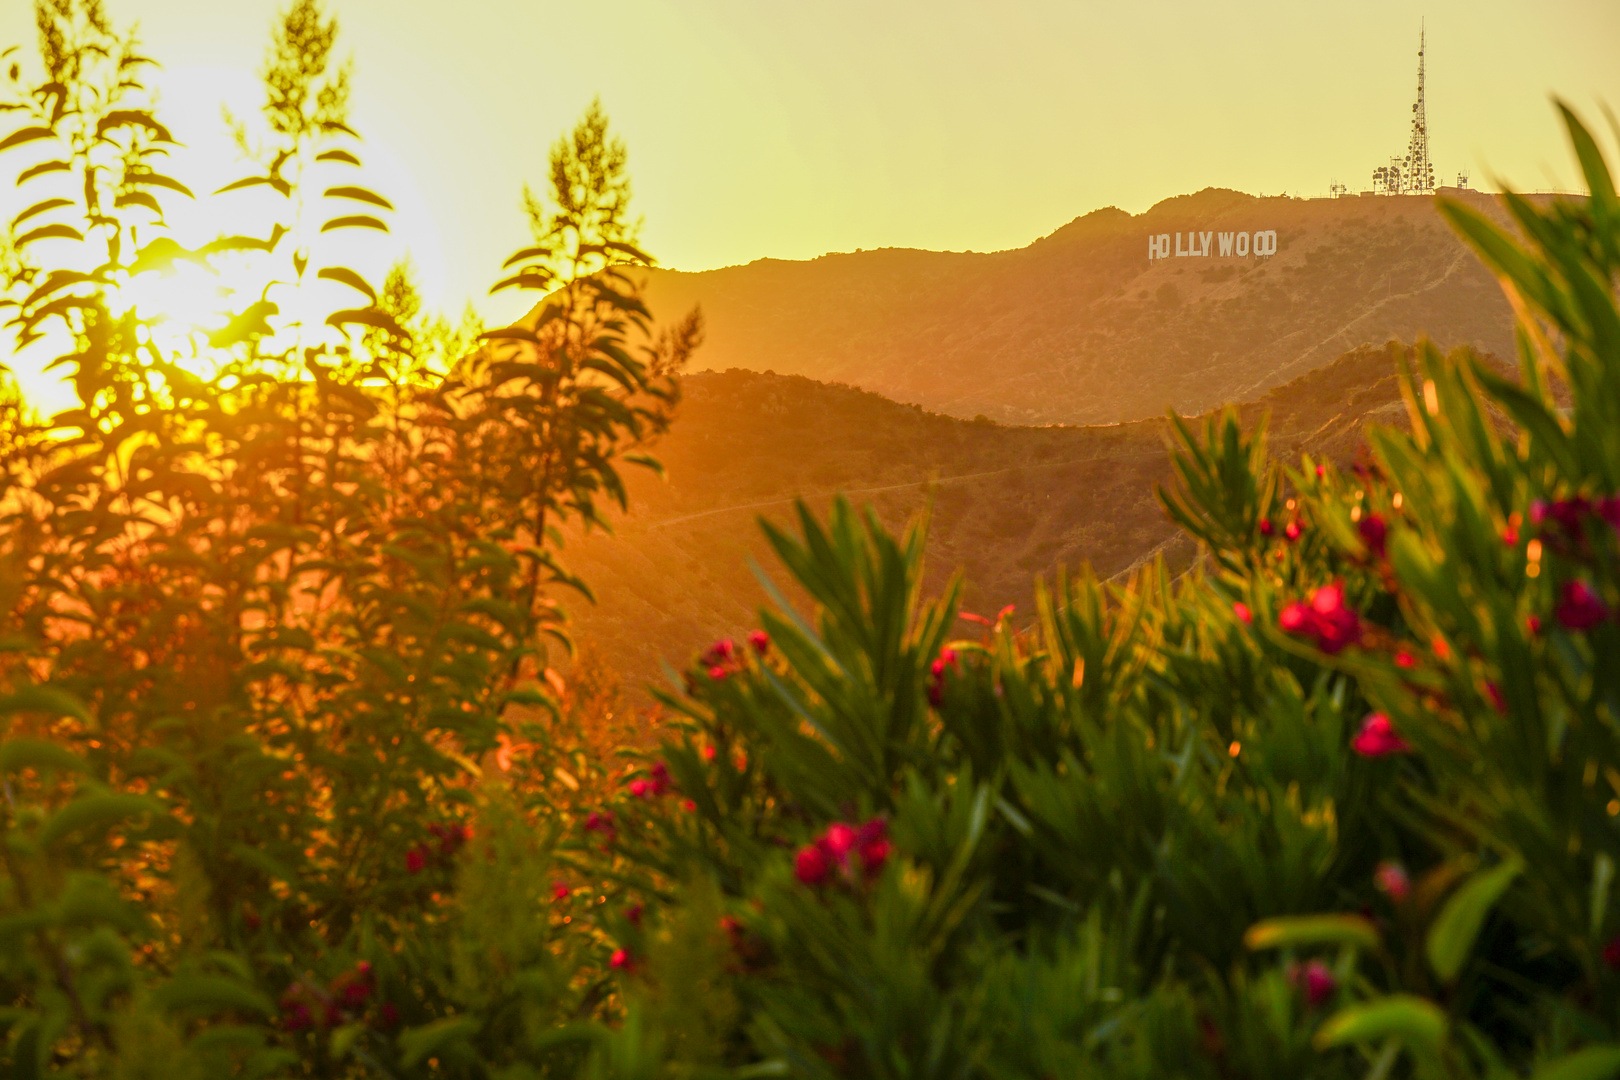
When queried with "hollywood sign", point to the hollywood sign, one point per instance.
{"points": [[1260, 243]]}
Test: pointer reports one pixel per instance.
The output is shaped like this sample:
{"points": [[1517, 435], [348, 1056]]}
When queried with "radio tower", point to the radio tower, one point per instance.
{"points": [[1419, 170], [1413, 174]]}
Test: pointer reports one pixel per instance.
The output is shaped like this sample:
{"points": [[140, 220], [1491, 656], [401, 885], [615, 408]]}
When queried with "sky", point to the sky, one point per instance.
{"points": [[763, 128]]}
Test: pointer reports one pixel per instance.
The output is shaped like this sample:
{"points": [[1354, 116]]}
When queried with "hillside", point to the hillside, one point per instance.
{"points": [[1008, 503], [1081, 328]]}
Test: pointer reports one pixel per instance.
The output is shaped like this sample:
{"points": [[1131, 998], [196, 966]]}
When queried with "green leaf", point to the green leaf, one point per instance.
{"points": [[25, 135], [358, 194], [1295, 931], [422, 1042], [369, 317], [31, 753], [350, 278], [95, 812], [1415, 1021], [354, 221], [139, 198], [39, 208], [337, 155], [45, 699], [151, 179], [211, 994], [1589, 1063], [49, 232], [254, 181], [1453, 932], [343, 1040], [42, 169]]}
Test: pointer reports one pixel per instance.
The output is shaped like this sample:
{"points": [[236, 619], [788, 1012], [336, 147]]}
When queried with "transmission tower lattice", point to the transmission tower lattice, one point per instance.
{"points": [[1413, 174]]}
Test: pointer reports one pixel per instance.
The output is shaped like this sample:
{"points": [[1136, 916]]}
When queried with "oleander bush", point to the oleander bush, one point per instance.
{"points": [[1344, 801], [291, 787]]}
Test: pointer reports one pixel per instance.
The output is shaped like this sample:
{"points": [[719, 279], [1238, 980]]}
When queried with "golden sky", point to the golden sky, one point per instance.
{"points": [[767, 128]]}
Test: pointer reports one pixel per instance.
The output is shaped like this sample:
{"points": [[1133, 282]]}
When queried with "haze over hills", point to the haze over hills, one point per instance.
{"points": [[1081, 327], [1007, 503]]}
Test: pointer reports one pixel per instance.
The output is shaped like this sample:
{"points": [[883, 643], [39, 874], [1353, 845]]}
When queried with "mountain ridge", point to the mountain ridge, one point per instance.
{"points": [[1080, 327]]}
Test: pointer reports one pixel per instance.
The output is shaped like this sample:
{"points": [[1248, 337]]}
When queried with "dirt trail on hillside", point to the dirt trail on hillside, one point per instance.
{"points": [[1279, 375], [934, 481]]}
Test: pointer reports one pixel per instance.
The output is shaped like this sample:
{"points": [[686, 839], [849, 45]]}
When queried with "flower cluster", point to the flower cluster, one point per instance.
{"points": [[305, 1006], [936, 676], [845, 850], [1374, 531], [1378, 738], [1314, 981], [654, 784], [1390, 878], [450, 838], [1569, 515], [1580, 607], [1326, 619], [725, 658], [602, 821]]}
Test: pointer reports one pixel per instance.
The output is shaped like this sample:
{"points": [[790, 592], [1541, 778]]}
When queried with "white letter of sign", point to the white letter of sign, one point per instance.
{"points": [[1226, 244], [1153, 248], [1203, 243], [1242, 244], [1265, 243], [1179, 252], [1164, 245]]}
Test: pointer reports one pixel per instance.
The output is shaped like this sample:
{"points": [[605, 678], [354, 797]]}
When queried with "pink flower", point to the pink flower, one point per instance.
{"points": [[1565, 513], [659, 775], [1266, 527], [641, 788], [1391, 880], [1374, 531], [560, 890], [812, 865], [720, 652], [709, 753], [1498, 702], [838, 840], [388, 1015], [1580, 608], [936, 676], [760, 641], [1405, 660], [295, 1015], [621, 960], [632, 914], [1293, 531], [1241, 610], [1377, 738], [717, 673], [1532, 623], [1326, 618], [415, 860], [601, 822], [1315, 981]]}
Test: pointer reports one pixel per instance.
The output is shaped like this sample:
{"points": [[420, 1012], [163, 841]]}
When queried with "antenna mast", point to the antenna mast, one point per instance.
{"points": [[1413, 174], [1419, 170]]}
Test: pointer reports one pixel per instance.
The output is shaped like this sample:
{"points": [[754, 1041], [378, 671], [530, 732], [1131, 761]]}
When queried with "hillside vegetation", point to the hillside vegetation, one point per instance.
{"points": [[1081, 328], [1005, 503]]}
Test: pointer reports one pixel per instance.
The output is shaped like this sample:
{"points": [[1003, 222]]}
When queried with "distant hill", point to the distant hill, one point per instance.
{"points": [[1008, 503], [1081, 328]]}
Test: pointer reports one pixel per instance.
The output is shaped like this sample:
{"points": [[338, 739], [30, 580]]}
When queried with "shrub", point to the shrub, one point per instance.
{"points": [[1340, 802]]}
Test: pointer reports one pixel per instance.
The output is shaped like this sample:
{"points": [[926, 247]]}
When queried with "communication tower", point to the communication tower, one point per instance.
{"points": [[1413, 174]]}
